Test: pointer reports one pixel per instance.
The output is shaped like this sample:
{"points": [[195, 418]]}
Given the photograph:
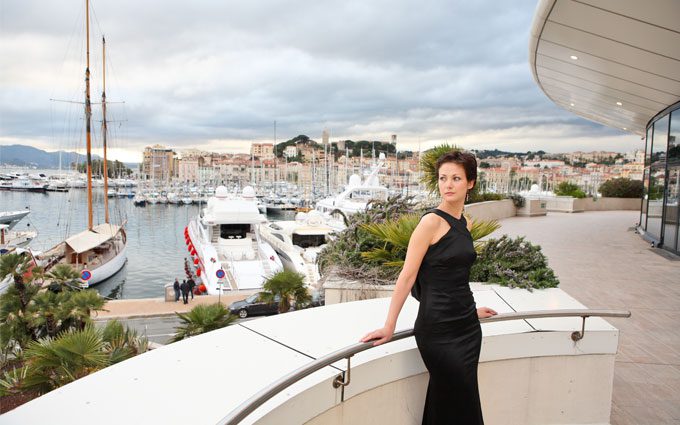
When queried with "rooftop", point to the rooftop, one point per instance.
{"points": [[600, 261]]}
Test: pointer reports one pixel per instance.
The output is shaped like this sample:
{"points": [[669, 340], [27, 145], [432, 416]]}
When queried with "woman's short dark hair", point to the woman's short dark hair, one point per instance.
{"points": [[467, 160]]}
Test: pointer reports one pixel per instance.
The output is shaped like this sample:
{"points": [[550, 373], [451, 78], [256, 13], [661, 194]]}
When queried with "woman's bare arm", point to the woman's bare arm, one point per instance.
{"points": [[417, 247]]}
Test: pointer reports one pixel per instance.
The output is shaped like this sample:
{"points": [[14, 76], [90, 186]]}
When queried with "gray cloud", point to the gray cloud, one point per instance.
{"points": [[193, 73]]}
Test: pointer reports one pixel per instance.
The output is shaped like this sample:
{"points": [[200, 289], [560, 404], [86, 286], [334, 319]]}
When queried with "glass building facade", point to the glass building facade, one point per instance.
{"points": [[659, 215]]}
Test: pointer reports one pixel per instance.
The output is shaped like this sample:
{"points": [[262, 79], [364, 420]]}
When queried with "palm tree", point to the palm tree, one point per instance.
{"points": [[396, 233], [428, 165], [80, 306], [52, 363], [16, 330], [44, 313], [289, 286], [62, 274], [121, 342], [202, 319], [17, 265]]}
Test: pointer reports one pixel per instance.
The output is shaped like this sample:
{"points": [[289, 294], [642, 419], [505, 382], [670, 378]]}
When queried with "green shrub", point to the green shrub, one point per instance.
{"points": [[517, 200], [569, 189], [515, 263], [622, 188], [483, 197]]}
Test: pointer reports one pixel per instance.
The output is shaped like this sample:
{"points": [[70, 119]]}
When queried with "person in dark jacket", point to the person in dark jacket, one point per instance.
{"points": [[192, 285], [184, 287], [175, 286]]}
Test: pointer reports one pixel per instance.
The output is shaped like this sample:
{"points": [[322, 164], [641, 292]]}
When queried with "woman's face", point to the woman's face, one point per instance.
{"points": [[453, 184]]}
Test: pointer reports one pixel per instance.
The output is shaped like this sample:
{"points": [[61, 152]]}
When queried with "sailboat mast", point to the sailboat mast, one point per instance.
{"points": [[106, 165], [88, 118]]}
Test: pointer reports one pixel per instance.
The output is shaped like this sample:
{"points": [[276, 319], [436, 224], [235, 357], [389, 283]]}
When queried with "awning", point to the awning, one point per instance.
{"points": [[87, 240], [106, 229]]}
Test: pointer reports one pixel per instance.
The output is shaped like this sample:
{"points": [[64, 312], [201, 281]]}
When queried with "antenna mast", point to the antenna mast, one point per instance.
{"points": [[106, 165], [88, 118]]}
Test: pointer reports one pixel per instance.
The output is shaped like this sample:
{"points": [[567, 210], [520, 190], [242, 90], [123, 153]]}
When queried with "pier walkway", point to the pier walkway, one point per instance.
{"points": [[148, 307], [602, 263]]}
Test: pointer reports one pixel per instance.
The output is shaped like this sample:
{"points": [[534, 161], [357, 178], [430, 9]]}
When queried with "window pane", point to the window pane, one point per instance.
{"points": [[673, 191], [645, 199], [657, 178]]}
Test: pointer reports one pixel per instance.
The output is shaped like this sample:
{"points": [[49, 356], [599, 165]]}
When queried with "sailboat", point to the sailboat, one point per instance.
{"points": [[98, 252]]}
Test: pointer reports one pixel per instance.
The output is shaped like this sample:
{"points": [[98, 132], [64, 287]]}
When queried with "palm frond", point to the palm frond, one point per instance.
{"points": [[428, 165]]}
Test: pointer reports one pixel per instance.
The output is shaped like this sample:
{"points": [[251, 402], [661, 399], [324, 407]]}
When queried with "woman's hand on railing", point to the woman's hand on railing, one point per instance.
{"points": [[379, 336], [484, 312]]}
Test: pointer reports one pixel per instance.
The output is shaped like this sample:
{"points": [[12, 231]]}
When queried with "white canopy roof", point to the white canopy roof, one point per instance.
{"points": [[615, 62], [89, 239]]}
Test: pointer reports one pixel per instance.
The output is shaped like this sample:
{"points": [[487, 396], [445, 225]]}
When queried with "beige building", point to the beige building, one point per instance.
{"points": [[158, 163], [262, 150], [188, 169]]}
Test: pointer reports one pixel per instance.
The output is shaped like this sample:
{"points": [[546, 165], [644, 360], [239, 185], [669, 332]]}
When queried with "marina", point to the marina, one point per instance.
{"points": [[156, 249]]}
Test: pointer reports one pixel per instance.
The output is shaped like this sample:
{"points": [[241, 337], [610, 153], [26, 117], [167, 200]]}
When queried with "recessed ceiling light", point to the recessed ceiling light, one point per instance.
{"points": [[619, 103], [574, 57], [624, 128], [571, 104]]}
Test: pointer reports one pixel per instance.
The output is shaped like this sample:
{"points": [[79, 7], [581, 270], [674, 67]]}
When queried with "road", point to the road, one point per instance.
{"points": [[159, 329]]}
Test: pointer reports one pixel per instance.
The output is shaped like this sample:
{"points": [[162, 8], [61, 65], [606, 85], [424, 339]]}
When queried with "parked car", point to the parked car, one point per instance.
{"points": [[254, 306], [318, 298]]}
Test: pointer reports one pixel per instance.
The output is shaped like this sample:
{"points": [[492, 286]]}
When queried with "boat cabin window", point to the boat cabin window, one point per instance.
{"points": [[234, 231], [306, 241], [278, 236]]}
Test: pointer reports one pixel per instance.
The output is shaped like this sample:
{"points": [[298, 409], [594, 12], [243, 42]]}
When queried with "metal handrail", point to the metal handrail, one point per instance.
{"points": [[258, 399]]}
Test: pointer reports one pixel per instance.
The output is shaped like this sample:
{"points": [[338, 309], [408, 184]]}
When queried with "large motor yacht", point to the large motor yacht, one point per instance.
{"points": [[224, 240], [355, 197], [299, 242]]}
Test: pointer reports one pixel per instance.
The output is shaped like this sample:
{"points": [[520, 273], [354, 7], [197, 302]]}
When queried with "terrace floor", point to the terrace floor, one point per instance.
{"points": [[603, 263]]}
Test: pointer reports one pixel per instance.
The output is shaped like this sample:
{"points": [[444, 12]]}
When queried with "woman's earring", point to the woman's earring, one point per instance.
{"points": [[467, 196]]}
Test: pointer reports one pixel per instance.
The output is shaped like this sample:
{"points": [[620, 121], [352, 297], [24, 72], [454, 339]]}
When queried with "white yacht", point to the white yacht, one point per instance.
{"points": [[101, 251], [12, 217], [299, 242], [10, 240], [225, 236], [98, 252], [356, 196]]}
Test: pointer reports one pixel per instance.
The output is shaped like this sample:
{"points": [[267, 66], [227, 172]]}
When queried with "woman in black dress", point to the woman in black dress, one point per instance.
{"points": [[447, 330]]}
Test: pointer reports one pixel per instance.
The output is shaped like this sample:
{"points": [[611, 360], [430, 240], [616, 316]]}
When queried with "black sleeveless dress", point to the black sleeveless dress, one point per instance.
{"points": [[447, 329]]}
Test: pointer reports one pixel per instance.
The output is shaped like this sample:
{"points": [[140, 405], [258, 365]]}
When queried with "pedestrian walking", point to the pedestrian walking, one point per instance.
{"points": [[192, 285], [185, 291], [175, 286]]}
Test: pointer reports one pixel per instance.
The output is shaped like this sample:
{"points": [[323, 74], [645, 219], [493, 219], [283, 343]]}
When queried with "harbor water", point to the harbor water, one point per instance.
{"points": [[155, 242]]}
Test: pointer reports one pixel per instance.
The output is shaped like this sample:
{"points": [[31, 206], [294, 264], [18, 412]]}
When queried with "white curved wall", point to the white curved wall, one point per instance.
{"points": [[221, 369]]}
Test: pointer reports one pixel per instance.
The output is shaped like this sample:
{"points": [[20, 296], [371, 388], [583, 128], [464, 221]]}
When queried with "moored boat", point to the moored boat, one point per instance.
{"points": [[224, 239]]}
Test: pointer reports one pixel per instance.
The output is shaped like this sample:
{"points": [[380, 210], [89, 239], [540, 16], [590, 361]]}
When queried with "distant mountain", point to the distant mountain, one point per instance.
{"points": [[27, 156]]}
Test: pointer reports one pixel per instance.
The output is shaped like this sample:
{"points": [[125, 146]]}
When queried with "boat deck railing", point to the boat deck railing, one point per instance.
{"points": [[343, 379]]}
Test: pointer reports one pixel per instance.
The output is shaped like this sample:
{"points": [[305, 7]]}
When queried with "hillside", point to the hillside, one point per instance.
{"points": [[27, 156]]}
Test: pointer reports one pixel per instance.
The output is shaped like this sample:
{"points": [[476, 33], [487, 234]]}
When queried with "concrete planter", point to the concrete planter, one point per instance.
{"points": [[491, 210], [338, 290], [566, 204], [611, 204], [533, 207]]}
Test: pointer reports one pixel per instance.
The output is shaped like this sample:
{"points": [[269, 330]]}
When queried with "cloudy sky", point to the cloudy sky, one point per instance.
{"points": [[216, 75]]}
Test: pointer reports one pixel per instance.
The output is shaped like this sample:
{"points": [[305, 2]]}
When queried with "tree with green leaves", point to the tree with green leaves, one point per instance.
{"points": [[395, 234], [53, 362], [62, 275], [202, 319], [289, 286], [121, 342], [569, 189], [17, 265], [45, 314], [80, 305]]}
